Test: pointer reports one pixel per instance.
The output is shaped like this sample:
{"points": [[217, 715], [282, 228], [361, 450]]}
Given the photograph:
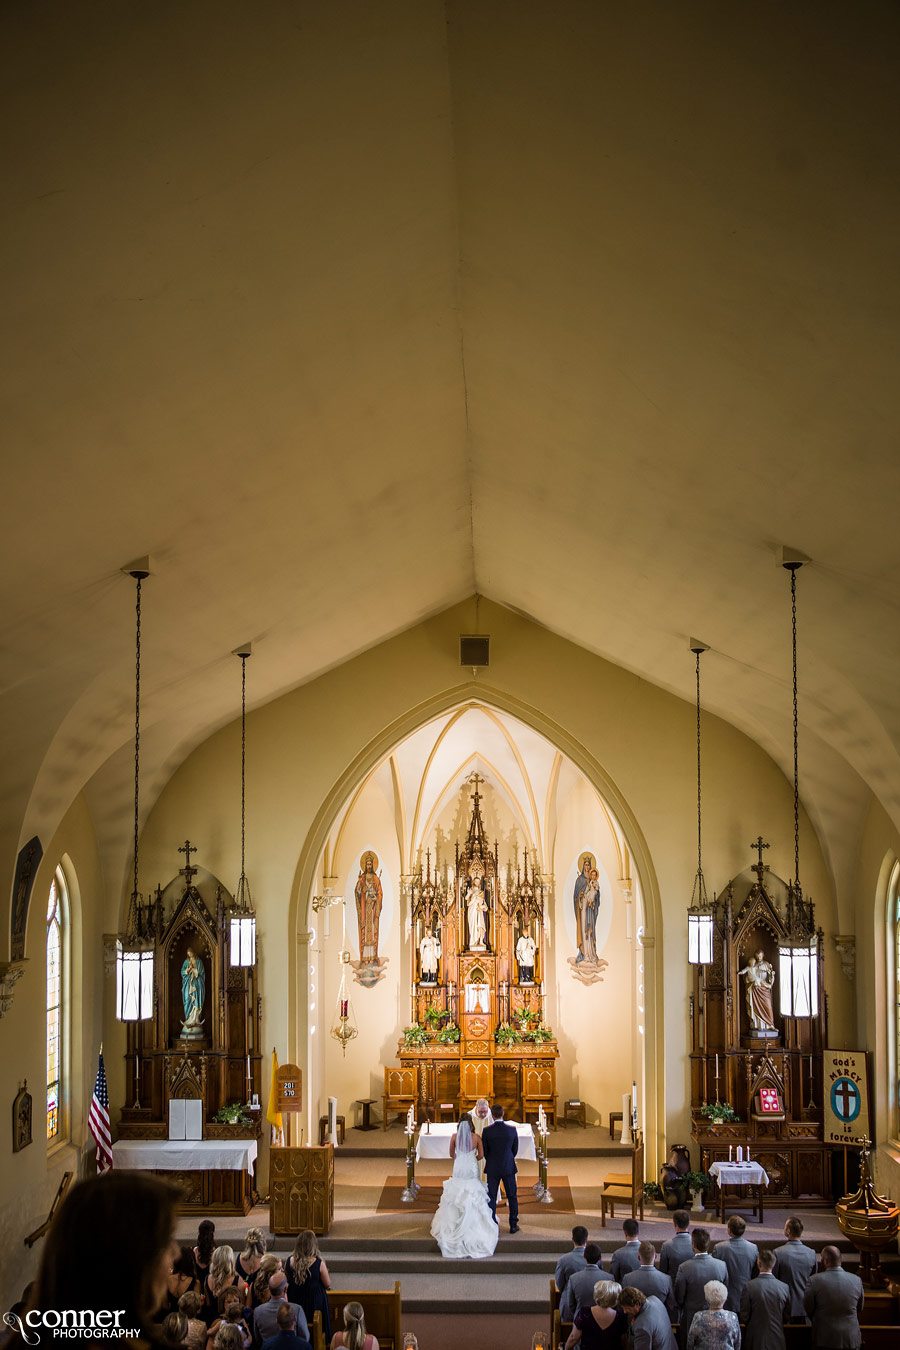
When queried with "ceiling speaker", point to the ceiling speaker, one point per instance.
{"points": [[474, 651]]}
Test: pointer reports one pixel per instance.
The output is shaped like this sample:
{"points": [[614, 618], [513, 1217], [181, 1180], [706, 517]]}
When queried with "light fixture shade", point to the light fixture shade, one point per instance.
{"points": [[700, 938], [134, 983], [242, 939], [799, 987]]}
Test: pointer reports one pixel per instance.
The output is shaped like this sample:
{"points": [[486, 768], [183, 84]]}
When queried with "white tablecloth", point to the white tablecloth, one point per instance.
{"points": [[436, 1143], [739, 1174], [186, 1155]]}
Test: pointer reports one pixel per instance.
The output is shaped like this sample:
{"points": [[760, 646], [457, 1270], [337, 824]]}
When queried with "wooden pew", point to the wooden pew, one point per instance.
{"points": [[560, 1330], [383, 1312], [554, 1307]]}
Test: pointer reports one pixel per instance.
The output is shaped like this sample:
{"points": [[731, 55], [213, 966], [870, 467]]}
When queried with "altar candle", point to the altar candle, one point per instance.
{"points": [[740, 1154], [730, 1152], [137, 1065], [248, 1066], [717, 1068], [344, 1003], [747, 1159], [634, 1103]]}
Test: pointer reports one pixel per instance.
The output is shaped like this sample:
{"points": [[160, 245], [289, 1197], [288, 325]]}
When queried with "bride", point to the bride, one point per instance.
{"points": [[463, 1225]]}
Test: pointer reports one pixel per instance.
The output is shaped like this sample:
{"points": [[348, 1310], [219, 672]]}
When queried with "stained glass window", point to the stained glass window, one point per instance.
{"points": [[56, 918]]}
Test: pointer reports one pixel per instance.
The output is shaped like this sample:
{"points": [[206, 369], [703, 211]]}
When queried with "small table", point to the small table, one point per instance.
{"points": [[366, 1103], [441, 1109], [578, 1112], [740, 1174], [323, 1129], [613, 1117]]}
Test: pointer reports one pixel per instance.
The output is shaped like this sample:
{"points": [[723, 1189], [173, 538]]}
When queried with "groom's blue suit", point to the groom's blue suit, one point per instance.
{"points": [[501, 1144]]}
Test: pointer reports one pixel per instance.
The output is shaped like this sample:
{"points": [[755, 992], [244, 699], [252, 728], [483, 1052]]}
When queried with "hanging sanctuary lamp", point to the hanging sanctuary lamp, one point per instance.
{"points": [[241, 916], [700, 912]]}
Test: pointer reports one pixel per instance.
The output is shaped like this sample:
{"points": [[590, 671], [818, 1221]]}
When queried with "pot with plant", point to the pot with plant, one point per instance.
{"points": [[448, 1035], [434, 1017], [506, 1034], [718, 1113], [415, 1036], [698, 1183]]}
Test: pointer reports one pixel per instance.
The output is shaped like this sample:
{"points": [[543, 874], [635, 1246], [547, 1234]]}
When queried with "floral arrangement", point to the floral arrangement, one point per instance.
{"points": [[652, 1190], [538, 1034], [448, 1035], [415, 1035], [435, 1016], [719, 1111], [236, 1114], [507, 1034], [698, 1182]]}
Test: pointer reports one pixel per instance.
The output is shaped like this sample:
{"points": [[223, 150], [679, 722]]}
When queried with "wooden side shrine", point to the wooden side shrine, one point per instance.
{"points": [[758, 1028], [477, 995], [197, 1053]]}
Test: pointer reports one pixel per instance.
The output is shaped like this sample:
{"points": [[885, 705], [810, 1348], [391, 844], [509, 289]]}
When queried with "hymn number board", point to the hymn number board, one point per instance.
{"points": [[289, 1088]]}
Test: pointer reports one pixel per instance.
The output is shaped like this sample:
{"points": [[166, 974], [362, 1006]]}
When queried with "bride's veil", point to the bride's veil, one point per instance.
{"points": [[464, 1138]]}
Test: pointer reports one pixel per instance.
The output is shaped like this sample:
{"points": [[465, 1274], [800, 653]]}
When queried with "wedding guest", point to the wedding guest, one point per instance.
{"points": [[833, 1302], [174, 1330], [308, 1280], [181, 1279], [678, 1248], [714, 1327], [233, 1311], [354, 1336], [286, 1337], [579, 1290], [652, 1281], [222, 1275], [574, 1260], [692, 1278], [252, 1253], [265, 1316], [190, 1304], [268, 1266], [626, 1258], [795, 1264], [601, 1326], [765, 1306], [228, 1337], [739, 1256], [121, 1224], [650, 1326], [206, 1243]]}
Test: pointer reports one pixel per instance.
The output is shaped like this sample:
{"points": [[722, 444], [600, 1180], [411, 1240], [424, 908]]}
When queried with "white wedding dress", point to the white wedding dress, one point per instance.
{"points": [[463, 1224]]}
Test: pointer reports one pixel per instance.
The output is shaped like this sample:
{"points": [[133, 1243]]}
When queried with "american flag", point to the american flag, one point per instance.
{"points": [[98, 1120]]}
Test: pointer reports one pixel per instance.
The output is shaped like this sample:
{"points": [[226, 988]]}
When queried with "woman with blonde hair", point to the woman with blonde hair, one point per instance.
{"points": [[603, 1326], [354, 1336], [190, 1304], [228, 1337], [222, 1275], [252, 1254], [259, 1291], [308, 1280]]}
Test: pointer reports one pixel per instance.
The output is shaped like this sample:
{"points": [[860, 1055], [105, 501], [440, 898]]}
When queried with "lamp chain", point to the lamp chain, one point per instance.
{"points": [[243, 760], [137, 732], [699, 850], [796, 762]]}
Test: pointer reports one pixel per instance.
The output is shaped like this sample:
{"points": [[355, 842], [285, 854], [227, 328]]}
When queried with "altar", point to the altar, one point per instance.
{"points": [[212, 1174], [477, 993], [434, 1142]]}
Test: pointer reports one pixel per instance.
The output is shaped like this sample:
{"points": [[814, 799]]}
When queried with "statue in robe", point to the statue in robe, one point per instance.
{"points": [[369, 898], [193, 989], [759, 978], [525, 950], [476, 909], [429, 955], [585, 863]]}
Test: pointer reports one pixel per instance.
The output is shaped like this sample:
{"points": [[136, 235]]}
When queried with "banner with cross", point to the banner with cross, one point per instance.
{"points": [[846, 1096]]}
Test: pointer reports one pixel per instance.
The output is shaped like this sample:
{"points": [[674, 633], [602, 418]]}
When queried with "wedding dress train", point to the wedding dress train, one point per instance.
{"points": [[463, 1224]]}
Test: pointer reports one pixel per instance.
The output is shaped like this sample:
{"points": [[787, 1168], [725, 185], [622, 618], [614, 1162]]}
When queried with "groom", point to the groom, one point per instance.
{"points": [[501, 1144]]}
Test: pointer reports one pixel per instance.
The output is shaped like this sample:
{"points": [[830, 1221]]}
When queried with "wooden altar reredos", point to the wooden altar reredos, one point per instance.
{"points": [[489, 976]]}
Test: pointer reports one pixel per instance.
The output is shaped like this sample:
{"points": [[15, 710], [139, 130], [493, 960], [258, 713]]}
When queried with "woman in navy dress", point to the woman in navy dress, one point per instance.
{"points": [[308, 1280], [603, 1326]]}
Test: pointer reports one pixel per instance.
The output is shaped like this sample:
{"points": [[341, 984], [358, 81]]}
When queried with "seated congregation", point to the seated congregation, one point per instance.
{"points": [[694, 1296]]}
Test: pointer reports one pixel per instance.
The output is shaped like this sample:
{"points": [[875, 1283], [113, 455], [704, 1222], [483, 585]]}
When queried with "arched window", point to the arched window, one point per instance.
{"points": [[57, 941]]}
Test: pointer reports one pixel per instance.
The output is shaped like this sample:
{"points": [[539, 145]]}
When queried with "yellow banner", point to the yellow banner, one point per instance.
{"points": [[846, 1096]]}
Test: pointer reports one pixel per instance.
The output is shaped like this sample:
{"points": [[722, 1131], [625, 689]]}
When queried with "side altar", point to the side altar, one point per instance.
{"points": [[197, 1053], [478, 992]]}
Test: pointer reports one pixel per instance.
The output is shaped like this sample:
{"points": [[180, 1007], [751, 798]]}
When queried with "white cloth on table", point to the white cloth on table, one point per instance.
{"points": [[739, 1174], [436, 1142], [177, 1155], [463, 1224]]}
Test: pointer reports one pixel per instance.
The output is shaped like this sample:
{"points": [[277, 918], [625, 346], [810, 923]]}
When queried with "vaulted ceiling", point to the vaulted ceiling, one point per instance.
{"points": [[344, 312]]}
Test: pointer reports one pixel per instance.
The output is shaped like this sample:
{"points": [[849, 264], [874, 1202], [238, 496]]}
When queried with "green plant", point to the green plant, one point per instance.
{"points": [[698, 1182], [236, 1114], [652, 1190], [538, 1034], [415, 1035], [525, 1017], [448, 1035], [434, 1016], [719, 1111], [507, 1035]]}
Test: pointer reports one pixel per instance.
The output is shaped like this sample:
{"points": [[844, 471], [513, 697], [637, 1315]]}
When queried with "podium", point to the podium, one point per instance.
{"points": [[301, 1189]]}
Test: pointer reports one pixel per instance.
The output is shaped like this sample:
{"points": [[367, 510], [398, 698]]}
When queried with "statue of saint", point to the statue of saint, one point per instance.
{"points": [[760, 980], [369, 898], [476, 909], [193, 989], [525, 950], [429, 955], [585, 863]]}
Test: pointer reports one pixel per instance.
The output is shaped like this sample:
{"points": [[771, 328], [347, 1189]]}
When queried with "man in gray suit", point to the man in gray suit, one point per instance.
{"points": [[579, 1290], [573, 1260], [692, 1276], [650, 1326], [795, 1263], [651, 1281], [626, 1258], [739, 1256], [765, 1304], [833, 1301], [678, 1248]]}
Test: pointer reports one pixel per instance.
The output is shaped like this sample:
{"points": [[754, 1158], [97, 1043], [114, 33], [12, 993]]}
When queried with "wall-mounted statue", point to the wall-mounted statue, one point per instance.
{"points": [[525, 951], [759, 978], [429, 956], [476, 914], [369, 969], [587, 966], [193, 996]]}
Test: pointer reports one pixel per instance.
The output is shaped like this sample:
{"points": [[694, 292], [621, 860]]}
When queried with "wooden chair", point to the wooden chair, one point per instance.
{"points": [[399, 1093], [382, 1308], [619, 1186]]}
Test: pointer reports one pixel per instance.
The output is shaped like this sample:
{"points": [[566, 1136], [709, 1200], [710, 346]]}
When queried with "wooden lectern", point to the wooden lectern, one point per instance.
{"points": [[301, 1180]]}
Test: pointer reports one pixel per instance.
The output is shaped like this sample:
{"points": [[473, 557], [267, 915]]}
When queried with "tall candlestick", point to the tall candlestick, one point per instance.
{"points": [[717, 1069]]}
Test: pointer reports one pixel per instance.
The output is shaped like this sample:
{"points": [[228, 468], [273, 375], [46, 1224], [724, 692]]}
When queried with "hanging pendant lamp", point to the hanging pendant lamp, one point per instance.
{"points": [[242, 919], [799, 987], [135, 947], [700, 915]]}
